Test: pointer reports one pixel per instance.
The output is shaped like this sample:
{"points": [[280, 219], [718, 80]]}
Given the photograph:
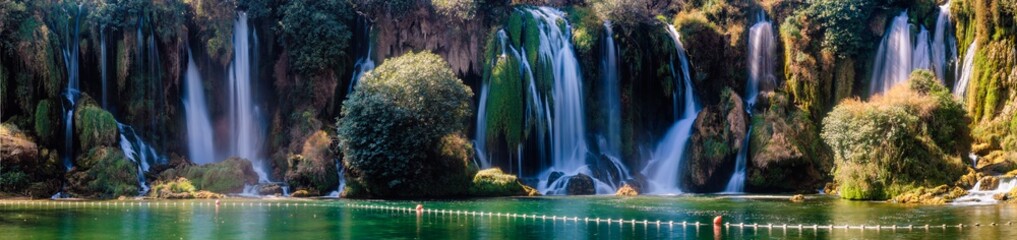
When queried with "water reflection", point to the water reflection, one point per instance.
{"points": [[291, 219]]}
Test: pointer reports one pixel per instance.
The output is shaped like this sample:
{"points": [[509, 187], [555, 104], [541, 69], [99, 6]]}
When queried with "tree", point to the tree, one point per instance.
{"points": [[402, 131]]}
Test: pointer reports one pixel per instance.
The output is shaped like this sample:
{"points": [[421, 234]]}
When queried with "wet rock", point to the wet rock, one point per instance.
{"points": [[580, 184], [798, 198], [989, 183], [271, 189], [554, 176], [302, 193], [627, 190], [95, 127]]}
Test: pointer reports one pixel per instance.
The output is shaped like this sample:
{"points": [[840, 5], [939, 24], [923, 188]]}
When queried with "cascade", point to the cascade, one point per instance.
{"points": [[364, 62], [761, 64], [480, 135], [664, 170], [70, 55], [565, 119], [139, 152], [102, 66], [967, 68], [245, 117], [893, 58], [944, 44], [200, 147], [920, 55], [978, 196], [610, 96]]}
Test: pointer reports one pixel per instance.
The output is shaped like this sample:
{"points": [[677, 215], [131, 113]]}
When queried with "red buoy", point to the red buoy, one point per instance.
{"points": [[717, 220], [217, 202], [420, 208]]}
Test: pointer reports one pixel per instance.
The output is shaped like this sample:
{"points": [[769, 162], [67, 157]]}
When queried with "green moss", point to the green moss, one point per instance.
{"points": [[505, 101], [94, 127], [493, 182], [586, 28], [43, 122], [514, 28], [228, 176], [114, 175]]}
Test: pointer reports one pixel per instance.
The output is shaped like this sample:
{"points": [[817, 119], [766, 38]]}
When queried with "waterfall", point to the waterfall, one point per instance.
{"points": [[102, 65], [139, 152], [966, 72], [480, 135], [364, 62], [978, 196], [761, 65], [663, 172], [944, 44], [893, 58], [762, 49], [920, 56], [610, 96], [245, 117], [70, 55], [201, 149]]}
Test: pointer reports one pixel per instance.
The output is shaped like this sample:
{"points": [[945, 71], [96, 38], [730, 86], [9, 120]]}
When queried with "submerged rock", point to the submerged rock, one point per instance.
{"points": [[580, 184]]}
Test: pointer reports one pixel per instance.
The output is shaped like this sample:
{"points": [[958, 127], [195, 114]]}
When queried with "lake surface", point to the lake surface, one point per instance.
{"points": [[362, 219]]}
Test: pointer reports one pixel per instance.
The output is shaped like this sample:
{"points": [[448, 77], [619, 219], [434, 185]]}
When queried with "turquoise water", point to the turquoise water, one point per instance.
{"points": [[360, 219]]}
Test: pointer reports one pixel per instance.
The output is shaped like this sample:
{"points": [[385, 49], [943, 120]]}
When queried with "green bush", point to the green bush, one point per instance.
{"points": [[314, 169], [401, 130], [843, 22], [315, 33], [910, 137], [94, 127]]}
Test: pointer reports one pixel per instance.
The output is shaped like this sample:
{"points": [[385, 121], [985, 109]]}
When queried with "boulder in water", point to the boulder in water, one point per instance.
{"points": [[580, 184], [494, 183], [797, 198], [228, 176], [554, 176], [719, 133], [271, 189], [627, 190]]}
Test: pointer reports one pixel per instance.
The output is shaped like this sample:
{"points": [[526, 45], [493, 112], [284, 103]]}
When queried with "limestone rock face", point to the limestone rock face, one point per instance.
{"points": [[16, 148], [460, 43], [720, 131]]}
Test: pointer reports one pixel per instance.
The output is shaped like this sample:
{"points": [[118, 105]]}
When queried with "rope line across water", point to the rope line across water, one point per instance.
{"points": [[543, 217]]}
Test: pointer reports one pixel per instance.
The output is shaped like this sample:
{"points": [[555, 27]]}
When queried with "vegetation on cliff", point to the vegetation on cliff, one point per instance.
{"points": [[913, 136]]}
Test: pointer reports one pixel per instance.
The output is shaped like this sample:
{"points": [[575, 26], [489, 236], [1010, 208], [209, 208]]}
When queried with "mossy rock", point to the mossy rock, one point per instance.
{"points": [[46, 120], [930, 196], [228, 176], [103, 172], [495, 183], [180, 188], [95, 127]]}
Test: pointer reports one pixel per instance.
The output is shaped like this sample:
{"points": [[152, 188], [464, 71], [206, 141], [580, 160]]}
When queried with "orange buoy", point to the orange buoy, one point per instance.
{"points": [[217, 202], [717, 220], [420, 208]]}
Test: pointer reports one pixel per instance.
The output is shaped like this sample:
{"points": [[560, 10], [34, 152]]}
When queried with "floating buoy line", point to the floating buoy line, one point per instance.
{"points": [[420, 210]]}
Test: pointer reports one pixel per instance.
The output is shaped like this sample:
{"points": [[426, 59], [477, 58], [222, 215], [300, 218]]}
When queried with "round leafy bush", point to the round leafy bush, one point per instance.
{"points": [[401, 131]]}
